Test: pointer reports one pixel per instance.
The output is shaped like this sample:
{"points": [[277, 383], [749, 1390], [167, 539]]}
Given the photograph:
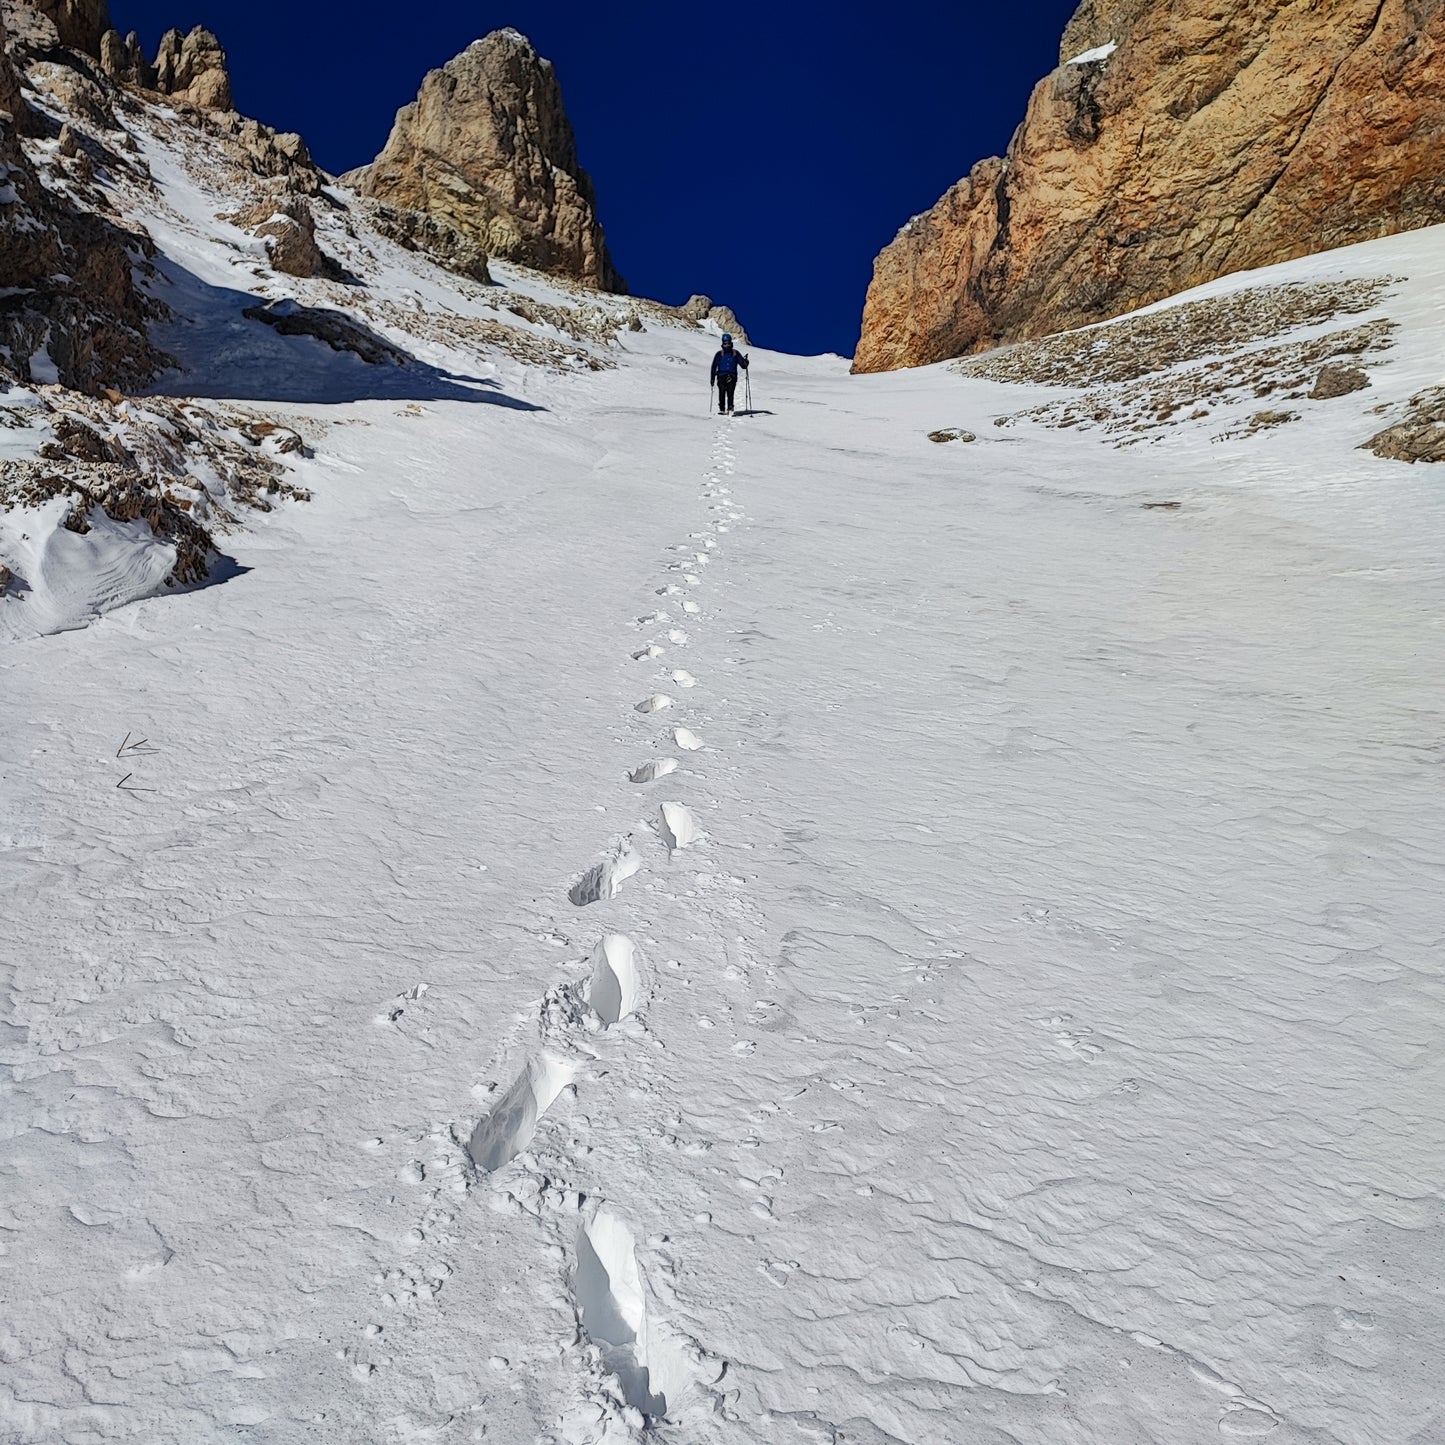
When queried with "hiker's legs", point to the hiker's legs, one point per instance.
{"points": [[726, 386]]}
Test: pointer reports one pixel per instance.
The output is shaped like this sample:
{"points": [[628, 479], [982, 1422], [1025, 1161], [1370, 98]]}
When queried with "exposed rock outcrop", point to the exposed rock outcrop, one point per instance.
{"points": [[336, 329], [192, 68], [124, 60], [1136, 377], [69, 308], [1420, 437], [1178, 141], [702, 308], [80, 24], [285, 222], [270, 153], [487, 149], [415, 231], [75, 92], [1336, 378], [12, 103], [30, 32]]}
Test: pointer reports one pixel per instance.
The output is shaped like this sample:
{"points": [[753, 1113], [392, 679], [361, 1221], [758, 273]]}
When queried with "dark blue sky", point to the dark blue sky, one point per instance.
{"points": [[761, 153]]}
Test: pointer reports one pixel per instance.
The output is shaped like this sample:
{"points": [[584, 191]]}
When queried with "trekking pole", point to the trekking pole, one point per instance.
{"points": [[748, 388]]}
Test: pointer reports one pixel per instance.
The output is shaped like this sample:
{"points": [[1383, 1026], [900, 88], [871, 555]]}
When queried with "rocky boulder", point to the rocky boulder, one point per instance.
{"points": [[192, 69], [1336, 378], [487, 149], [337, 330], [1178, 141], [289, 229]]}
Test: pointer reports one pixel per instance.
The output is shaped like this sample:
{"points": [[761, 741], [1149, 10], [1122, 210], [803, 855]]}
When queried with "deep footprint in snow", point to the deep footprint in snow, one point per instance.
{"points": [[650, 1362], [679, 828], [686, 739], [508, 1128], [615, 988], [656, 703], [683, 678], [604, 880], [651, 772], [643, 654]]}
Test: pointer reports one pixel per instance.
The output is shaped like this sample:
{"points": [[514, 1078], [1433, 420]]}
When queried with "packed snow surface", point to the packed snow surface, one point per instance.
{"points": [[999, 1000], [1099, 52]]}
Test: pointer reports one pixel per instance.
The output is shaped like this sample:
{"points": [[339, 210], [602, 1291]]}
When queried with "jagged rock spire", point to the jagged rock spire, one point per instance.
{"points": [[487, 148]]}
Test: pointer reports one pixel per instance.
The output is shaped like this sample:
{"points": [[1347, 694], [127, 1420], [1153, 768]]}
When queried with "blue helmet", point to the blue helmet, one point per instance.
{"points": [[727, 336]]}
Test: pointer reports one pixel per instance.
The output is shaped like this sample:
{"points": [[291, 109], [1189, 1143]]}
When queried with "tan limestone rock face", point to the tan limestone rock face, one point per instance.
{"points": [[124, 60], [280, 155], [726, 320], [30, 32], [192, 68], [699, 308], [80, 23], [1219, 135], [487, 149]]}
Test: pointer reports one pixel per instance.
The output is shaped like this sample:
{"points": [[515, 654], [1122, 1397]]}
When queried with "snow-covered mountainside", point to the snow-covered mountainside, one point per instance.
{"points": [[604, 921]]}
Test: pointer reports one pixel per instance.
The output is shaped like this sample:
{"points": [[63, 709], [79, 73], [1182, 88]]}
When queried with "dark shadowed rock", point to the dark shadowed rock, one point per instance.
{"points": [[338, 331]]}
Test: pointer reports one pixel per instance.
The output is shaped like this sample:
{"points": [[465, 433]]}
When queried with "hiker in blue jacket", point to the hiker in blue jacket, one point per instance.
{"points": [[725, 373]]}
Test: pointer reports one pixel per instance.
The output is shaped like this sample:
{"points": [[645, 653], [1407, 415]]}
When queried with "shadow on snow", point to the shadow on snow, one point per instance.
{"points": [[225, 354]]}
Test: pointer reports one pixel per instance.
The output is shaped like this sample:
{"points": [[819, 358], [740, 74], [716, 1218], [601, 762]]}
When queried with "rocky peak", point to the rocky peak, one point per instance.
{"points": [[192, 68], [1178, 141], [124, 60], [487, 149]]}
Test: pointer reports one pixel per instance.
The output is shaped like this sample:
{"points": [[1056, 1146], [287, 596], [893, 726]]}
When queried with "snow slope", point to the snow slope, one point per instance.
{"points": [[1005, 1007]]}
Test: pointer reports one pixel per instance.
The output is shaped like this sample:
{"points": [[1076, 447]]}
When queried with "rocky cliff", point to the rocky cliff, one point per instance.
{"points": [[69, 307], [487, 149], [1177, 141], [79, 24]]}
